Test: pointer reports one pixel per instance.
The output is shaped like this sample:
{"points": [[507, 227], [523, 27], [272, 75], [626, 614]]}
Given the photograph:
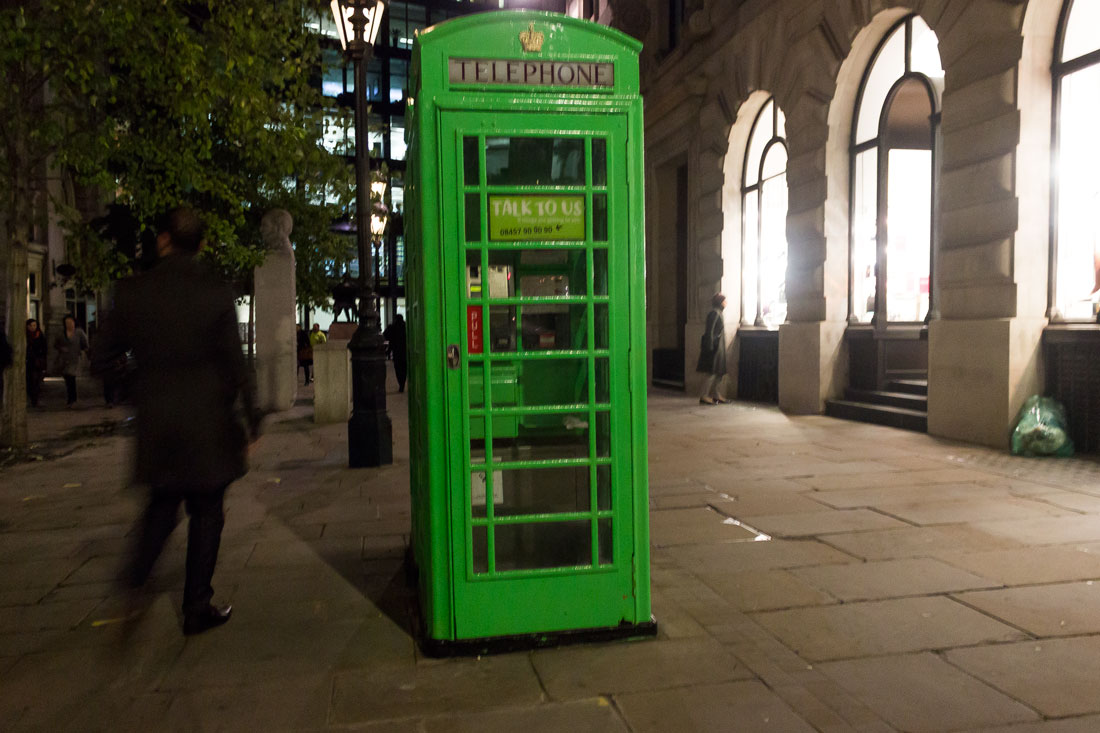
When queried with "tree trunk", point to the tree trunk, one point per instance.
{"points": [[13, 420]]}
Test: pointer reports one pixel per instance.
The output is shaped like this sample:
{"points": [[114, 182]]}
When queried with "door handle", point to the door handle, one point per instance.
{"points": [[453, 360]]}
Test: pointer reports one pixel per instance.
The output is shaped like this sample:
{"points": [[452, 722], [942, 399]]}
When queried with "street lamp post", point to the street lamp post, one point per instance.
{"points": [[370, 434]]}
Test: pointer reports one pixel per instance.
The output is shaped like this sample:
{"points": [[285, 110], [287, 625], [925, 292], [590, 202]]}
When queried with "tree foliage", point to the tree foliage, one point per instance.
{"points": [[157, 103]]}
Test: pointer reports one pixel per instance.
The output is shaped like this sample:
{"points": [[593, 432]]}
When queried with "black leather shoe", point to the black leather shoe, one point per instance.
{"points": [[211, 616]]}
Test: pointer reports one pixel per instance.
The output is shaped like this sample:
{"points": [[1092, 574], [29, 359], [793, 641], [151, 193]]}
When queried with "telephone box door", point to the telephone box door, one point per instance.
{"points": [[538, 401]]}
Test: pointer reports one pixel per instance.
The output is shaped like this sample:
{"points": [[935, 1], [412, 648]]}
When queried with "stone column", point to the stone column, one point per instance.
{"points": [[275, 304]]}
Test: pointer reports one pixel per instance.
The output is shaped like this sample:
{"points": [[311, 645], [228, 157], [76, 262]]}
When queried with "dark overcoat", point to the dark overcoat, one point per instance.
{"points": [[712, 345], [192, 393]]}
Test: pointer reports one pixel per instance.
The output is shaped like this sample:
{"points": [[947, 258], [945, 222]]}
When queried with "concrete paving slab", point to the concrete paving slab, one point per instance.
{"points": [[1032, 565], [455, 686], [571, 673], [746, 706], [100, 712], [908, 493], [887, 475], [1072, 500], [596, 715], [1049, 531], [889, 579], [1067, 609], [1057, 677], [761, 590], [923, 694], [44, 616], [882, 627], [261, 705], [23, 597], [822, 523], [671, 527], [986, 509], [1086, 724], [744, 556], [918, 542]]}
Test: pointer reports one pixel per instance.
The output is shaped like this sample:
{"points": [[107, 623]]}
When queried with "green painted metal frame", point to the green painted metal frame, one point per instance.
{"points": [[439, 425]]}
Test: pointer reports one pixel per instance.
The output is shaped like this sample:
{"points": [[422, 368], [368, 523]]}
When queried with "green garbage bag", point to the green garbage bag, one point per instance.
{"points": [[1041, 429]]}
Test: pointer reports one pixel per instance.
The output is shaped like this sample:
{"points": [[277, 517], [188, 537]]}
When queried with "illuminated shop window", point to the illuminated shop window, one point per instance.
{"points": [[1076, 183], [893, 162], [764, 221]]}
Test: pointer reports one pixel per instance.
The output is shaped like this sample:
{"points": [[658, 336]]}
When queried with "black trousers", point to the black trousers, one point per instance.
{"points": [[401, 370], [204, 535], [70, 388]]}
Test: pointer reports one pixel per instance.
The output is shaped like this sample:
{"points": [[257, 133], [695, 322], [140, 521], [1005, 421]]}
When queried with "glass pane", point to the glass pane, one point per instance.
{"points": [[888, 67], [553, 327], [479, 491], [477, 436], [602, 327], [543, 545], [776, 161], [780, 124], [750, 255], [503, 379], [908, 245], [603, 488], [607, 542], [541, 382], [473, 274], [773, 250], [864, 234], [599, 271], [535, 437], [761, 134], [1082, 29], [599, 161], [540, 273], [603, 435], [924, 56], [534, 161], [540, 491], [502, 328], [473, 217], [599, 217], [469, 161], [480, 549], [1077, 287]]}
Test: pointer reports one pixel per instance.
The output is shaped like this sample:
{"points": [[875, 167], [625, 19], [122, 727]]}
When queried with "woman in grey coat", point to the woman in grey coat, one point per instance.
{"points": [[712, 352], [70, 344]]}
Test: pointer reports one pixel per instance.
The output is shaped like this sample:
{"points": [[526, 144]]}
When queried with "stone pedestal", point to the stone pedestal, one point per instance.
{"points": [[274, 305], [331, 381], [979, 374], [812, 365]]}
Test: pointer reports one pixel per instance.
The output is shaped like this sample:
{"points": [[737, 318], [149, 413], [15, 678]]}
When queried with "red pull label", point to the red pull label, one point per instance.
{"points": [[474, 330]]}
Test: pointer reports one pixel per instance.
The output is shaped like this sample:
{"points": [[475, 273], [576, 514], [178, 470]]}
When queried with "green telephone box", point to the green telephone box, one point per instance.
{"points": [[525, 298]]}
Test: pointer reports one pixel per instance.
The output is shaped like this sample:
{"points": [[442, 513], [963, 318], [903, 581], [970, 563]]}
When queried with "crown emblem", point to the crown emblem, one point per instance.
{"points": [[531, 39]]}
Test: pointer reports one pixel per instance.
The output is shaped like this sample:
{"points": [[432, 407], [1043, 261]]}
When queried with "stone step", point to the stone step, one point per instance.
{"points": [[912, 386], [895, 417], [908, 400]]}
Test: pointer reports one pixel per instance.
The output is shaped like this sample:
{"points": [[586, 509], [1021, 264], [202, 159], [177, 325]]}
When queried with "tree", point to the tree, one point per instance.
{"points": [[157, 103]]}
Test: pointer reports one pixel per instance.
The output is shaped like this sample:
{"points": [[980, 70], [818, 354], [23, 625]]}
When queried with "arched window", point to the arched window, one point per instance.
{"points": [[893, 163], [1076, 245], [764, 221]]}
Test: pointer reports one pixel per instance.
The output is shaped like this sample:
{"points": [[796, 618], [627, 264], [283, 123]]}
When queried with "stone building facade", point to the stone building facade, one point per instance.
{"points": [[711, 66]]}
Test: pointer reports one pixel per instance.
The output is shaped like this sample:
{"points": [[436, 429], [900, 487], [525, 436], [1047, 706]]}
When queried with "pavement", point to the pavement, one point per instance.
{"points": [[809, 574]]}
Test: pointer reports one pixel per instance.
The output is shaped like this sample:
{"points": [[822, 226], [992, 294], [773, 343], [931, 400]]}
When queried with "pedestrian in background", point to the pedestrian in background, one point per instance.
{"points": [[6, 359], [305, 354], [712, 352], [36, 361], [180, 322], [395, 344], [317, 336], [70, 345]]}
